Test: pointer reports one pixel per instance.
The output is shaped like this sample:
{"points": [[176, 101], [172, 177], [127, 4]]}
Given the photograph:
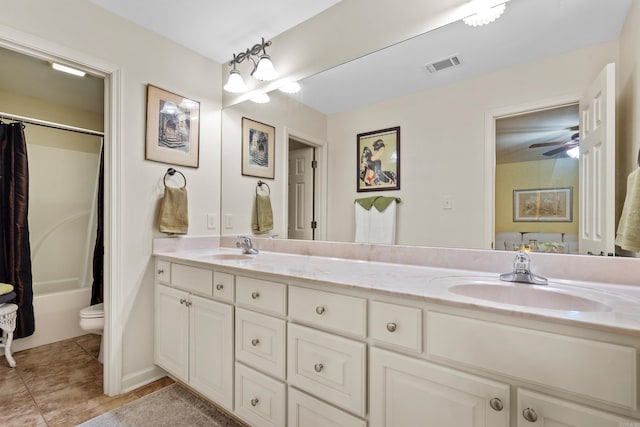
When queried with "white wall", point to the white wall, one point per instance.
{"points": [[442, 148], [142, 57]]}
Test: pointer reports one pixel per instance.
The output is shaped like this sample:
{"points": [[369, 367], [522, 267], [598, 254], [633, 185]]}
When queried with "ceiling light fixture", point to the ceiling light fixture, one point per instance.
{"points": [[574, 152], [69, 70], [263, 68], [485, 15]]}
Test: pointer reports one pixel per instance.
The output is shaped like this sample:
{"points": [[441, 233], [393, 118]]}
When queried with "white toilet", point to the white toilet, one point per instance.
{"points": [[92, 321]]}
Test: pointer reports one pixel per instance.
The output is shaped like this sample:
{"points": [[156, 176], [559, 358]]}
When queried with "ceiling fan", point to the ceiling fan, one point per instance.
{"points": [[563, 145]]}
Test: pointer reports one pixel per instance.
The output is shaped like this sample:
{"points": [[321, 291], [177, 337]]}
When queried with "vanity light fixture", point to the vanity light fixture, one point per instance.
{"points": [[262, 98], [293, 87], [263, 68], [485, 15], [68, 70]]}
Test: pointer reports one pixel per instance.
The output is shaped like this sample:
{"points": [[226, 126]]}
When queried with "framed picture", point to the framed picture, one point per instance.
{"points": [[543, 205], [258, 149], [173, 128], [378, 159]]}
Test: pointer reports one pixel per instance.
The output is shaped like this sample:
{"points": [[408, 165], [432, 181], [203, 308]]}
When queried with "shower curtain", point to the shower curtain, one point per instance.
{"points": [[97, 288], [15, 251]]}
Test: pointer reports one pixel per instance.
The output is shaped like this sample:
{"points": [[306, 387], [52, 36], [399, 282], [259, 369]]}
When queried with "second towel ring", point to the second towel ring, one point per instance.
{"points": [[172, 171], [260, 184]]}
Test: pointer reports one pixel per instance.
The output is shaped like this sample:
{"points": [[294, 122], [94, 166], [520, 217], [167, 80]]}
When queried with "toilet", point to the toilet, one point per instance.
{"points": [[92, 321]]}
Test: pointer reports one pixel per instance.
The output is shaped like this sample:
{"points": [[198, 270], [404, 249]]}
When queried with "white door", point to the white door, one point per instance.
{"points": [[172, 332], [301, 194], [211, 355], [597, 165], [410, 392]]}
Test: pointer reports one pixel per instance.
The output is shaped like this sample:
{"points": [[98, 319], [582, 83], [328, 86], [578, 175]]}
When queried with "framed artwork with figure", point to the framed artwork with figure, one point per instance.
{"points": [[378, 156], [173, 128], [258, 149]]}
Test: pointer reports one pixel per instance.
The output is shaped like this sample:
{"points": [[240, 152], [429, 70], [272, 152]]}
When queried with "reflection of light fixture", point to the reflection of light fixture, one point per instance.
{"points": [[574, 152], [187, 104], [293, 87], [68, 70], [485, 15], [169, 108], [262, 98], [263, 68]]}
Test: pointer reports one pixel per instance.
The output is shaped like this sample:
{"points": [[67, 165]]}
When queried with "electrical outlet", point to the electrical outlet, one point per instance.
{"points": [[212, 221]]}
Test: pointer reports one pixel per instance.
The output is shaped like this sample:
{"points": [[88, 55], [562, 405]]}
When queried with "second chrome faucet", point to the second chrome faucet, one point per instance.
{"points": [[247, 245], [522, 271]]}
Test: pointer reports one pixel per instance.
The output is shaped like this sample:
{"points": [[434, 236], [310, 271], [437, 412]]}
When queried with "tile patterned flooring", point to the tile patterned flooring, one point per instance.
{"points": [[59, 384]]}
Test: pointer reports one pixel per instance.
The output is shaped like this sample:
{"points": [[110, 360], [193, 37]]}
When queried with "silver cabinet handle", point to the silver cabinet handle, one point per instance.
{"points": [[160, 271], [255, 401], [255, 295], [219, 286], [530, 415], [318, 367], [320, 309], [496, 404], [255, 342], [391, 327]]}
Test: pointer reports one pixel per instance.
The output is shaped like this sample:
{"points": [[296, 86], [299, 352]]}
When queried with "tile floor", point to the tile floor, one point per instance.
{"points": [[59, 384]]}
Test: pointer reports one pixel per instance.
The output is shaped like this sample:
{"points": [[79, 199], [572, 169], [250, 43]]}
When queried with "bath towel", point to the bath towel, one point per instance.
{"points": [[628, 233], [262, 215], [374, 226], [7, 297], [5, 288], [380, 202], [174, 216]]}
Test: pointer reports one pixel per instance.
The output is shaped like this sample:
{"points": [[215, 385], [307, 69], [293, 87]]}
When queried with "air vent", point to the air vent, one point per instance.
{"points": [[443, 64]]}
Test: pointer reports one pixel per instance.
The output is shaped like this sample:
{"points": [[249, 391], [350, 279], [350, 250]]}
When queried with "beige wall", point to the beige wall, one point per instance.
{"points": [[443, 146]]}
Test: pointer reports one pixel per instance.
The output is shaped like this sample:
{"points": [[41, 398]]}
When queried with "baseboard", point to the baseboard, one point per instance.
{"points": [[143, 377]]}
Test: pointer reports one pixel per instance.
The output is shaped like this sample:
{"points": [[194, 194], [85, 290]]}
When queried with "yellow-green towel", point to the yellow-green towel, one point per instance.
{"points": [[174, 214], [262, 215], [5, 288], [380, 202]]}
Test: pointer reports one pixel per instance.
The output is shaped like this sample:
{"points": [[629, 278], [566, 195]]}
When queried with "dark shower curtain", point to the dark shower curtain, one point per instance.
{"points": [[15, 251], [97, 288]]}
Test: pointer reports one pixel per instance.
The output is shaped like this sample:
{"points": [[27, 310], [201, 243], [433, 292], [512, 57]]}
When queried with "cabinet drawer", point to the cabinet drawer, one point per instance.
{"points": [[328, 366], [335, 312], [195, 279], [305, 411], [163, 271], [260, 342], [566, 363], [263, 295], [397, 325], [223, 284], [260, 400]]}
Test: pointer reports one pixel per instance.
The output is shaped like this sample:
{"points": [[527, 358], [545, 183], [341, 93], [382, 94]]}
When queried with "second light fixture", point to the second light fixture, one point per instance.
{"points": [[263, 68]]}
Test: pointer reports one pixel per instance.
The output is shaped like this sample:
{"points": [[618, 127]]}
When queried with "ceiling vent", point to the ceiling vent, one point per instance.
{"points": [[443, 64]]}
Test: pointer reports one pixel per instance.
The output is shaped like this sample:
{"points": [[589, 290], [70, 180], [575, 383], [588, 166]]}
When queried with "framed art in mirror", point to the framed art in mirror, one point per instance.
{"points": [[378, 156], [543, 205], [258, 149], [172, 128]]}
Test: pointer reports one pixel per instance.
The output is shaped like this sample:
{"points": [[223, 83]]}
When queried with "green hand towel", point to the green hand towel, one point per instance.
{"points": [[5, 288], [380, 202], [262, 215], [174, 216]]}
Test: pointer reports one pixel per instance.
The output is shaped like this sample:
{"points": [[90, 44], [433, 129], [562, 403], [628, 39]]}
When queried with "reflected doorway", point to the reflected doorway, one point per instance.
{"points": [[302, 161]]}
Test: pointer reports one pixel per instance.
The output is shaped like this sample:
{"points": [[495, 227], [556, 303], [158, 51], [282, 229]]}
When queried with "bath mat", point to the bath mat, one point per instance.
{"points": [[173, 405]]}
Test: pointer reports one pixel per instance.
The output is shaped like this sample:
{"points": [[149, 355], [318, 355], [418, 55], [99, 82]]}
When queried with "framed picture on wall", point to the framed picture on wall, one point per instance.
{"points": [[543, 205], [378, 157], [173, 128], [258, 149]]}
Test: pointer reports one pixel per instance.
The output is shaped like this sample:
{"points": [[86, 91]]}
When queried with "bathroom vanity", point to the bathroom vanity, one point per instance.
{"points": [[280, 339]]}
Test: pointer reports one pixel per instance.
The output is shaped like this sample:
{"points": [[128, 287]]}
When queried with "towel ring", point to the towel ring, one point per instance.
{"points": [[260, 184], [172, 171]]}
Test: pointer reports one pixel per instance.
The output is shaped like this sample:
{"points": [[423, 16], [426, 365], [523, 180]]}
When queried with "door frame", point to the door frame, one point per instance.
{"points": [[321, 180], [490, 152], [43, 49]]}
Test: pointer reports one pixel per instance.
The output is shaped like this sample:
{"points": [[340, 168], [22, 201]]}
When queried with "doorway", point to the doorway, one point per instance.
{"points": [[302, 223]]}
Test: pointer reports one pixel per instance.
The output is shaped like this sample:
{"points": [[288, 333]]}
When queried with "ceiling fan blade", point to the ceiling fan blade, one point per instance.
{"points": [[576, 127], [546, 144], [558, 150]]}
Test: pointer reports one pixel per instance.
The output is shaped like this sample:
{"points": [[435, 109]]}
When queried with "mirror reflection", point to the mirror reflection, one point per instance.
{"points": [[530, 56]]}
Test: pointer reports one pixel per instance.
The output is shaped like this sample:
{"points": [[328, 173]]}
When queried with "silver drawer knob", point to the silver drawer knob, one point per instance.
{"points": [[160, 271], [219, 286], [320, 309], [183, 301], [255, 295], [255, 401], [255, 342], [530, 415], [496, 404], [318, 367], [391, 327]]}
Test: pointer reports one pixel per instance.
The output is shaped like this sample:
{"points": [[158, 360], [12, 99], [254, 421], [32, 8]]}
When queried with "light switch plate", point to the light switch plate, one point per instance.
{"points": [[212, 221]]}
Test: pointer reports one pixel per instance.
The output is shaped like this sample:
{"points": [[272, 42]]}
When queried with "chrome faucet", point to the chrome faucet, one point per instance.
{"points": [[522, 272], [246, 245]]}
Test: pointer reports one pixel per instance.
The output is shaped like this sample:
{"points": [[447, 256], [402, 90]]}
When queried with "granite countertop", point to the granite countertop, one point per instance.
{"points": [[617, 307]]}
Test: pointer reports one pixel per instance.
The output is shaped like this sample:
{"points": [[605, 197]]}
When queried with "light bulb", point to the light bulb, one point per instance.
{"points": [[265, 69], [235, 84]]}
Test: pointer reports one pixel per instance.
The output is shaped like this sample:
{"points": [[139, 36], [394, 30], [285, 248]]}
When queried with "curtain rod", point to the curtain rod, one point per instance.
{"points": [[53, 125]]}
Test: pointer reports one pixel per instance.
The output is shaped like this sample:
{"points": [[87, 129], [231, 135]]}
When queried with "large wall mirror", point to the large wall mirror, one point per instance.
{"points": [[440, 88]]}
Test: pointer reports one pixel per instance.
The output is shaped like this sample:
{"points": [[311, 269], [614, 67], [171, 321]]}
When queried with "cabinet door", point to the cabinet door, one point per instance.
{"points": [[172, 332], [211, 355], [406, 391], [537, 410]]}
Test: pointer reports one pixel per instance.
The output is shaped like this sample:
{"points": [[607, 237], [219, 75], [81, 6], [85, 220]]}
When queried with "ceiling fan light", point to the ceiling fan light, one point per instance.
{"points": [[265, 70], [235, 83], [574, 152], [485, 16]]}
